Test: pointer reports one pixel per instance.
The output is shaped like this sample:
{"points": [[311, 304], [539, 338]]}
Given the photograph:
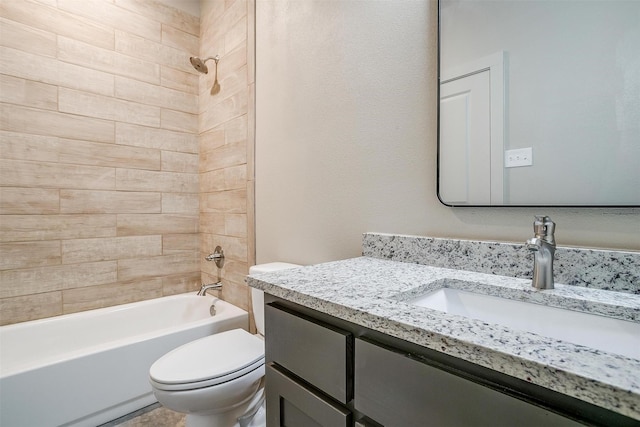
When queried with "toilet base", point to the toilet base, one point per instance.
{"points": [[230, 418]]}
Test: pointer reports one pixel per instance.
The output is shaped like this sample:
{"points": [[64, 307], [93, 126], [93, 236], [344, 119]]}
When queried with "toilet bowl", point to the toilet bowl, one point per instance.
{"points": [[218, 380]]}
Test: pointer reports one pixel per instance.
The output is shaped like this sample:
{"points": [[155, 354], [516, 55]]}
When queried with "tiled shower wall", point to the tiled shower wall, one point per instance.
{"points": [[99, 156], [226, 126]]}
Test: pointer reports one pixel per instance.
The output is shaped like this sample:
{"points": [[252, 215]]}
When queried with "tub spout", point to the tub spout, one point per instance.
{"points": [[203, 290]]}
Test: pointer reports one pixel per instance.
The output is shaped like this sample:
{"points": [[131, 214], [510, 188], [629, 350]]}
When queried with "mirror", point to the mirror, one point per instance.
{"points": [[539, 103]]}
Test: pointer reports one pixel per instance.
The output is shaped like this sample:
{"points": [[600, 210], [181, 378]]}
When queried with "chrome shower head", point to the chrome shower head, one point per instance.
{"points": [[199, 64]]}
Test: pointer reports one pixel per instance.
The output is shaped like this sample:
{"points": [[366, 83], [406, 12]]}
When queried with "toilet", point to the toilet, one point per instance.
{"points": [[218, 380]]}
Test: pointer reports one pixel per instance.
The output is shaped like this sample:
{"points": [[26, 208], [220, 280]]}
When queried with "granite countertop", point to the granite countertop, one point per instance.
{"points": [[373, 292]]}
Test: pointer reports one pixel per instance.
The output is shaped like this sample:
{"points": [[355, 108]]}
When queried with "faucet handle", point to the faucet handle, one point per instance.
{"points": [[544, 228]]}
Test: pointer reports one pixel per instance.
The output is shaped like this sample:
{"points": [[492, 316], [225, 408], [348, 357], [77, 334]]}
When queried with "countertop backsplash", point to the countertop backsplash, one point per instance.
{"points": [[593, 268]]}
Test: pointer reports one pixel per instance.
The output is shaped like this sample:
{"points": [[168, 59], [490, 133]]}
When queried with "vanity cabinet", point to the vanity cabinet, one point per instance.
{"points": [[309, 371], [398, 390], [322, 371]]}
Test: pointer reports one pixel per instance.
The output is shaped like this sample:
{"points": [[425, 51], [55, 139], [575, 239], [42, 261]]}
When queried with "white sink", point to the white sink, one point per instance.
{"points": [[595, 331]]}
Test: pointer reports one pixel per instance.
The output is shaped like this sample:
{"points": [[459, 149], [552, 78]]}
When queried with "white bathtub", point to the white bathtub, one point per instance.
{"points": [[89, 368]]}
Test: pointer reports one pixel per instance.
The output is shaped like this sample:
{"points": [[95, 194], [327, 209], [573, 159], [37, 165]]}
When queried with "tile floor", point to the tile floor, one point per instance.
{"points": [[151, 416]]}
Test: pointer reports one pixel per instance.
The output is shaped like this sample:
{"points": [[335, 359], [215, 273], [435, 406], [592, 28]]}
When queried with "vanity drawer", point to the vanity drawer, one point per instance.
{"points": [[399, 391], [318, 353], [291, 403]]}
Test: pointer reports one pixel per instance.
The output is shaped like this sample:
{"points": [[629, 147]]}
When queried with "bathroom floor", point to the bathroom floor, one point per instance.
{"points": [[151, 416]]}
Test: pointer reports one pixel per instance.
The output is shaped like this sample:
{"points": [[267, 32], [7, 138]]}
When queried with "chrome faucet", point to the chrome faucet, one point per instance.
{"points": [[203, 290], [543, 246]]}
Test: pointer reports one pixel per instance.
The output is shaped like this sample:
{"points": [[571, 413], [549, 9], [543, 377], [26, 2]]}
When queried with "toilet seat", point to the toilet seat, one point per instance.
{"points": [[208, 361]]}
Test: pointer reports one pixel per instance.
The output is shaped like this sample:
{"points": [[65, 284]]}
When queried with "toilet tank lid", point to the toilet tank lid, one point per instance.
{"points": [[272, 266]]}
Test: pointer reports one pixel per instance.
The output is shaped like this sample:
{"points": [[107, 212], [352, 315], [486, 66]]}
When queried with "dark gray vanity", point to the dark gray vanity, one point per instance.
{"points": [[345, 346], [323, 371]]}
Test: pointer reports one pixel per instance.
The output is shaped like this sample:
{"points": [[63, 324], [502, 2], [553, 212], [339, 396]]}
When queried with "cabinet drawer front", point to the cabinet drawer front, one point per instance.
{"points": [[398, 391], [290, 403], [318, 353]]}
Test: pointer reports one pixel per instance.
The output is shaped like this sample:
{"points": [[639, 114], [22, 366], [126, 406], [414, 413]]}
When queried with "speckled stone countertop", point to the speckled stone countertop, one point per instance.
{"points": [[374, 293]]}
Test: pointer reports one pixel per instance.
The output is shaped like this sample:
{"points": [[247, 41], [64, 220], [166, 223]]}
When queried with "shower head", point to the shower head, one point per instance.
{"points": [[199, 64]]}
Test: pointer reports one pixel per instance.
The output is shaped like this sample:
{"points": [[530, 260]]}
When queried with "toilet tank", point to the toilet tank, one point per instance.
{"points": [[257, 296]]}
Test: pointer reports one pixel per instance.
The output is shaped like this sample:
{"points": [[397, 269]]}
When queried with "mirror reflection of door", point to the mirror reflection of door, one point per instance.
{"points": [[465, 132], [472, 117]]}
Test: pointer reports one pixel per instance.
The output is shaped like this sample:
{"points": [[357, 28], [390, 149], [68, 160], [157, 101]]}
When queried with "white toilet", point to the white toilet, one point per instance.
{"points": [[217, 379]]}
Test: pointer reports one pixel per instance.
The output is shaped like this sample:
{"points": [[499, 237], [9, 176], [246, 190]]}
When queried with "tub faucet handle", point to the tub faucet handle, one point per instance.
{"points": [[217, 256]]}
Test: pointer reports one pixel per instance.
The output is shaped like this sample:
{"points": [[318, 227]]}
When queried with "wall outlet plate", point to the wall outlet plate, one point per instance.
{"points": [[518, 158]]}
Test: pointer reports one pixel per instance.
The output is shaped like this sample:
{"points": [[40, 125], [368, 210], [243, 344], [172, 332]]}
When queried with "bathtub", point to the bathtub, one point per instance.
{"points": [[88, 368]]}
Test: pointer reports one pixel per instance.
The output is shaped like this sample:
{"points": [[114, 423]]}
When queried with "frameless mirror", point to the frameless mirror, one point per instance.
{"points": [[539, 103]]}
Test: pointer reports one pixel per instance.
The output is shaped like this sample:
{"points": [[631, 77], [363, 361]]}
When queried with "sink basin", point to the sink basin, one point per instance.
{"points": [[592, 330]]}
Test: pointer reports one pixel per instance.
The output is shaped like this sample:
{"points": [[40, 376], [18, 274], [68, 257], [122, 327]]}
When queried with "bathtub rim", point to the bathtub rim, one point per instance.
{"points": [[230, 311]]}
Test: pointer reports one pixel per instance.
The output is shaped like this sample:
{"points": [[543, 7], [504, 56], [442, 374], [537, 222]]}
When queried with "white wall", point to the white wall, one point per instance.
{"points": [[346, 119]]}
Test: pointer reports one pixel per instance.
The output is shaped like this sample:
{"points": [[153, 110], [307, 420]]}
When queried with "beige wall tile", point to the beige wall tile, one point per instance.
{"points": [[80, 299], [112, 16], [180, 242], [103, 107], [153, 51], [212, 223], [180, 203], [141, 136], [16, 201], [77, 275], [95, 202], [227, 155], [231, 82], [230, 178], [235, 225], [235, 177], [251, 42], [233, 201], [28, 93], [51, 71], [45, 279], [251, 223], [27, 38], [235, 248], [137, 224], [179, 162], [212, 139], [212, 181], [230, 108], [236, 293], [181, 283], [167, 182], [21, 146], [85, 79], [229, 68], [30, 307], [38, 174], [172, 36], [179, 121], [29, 254], [60, 22], [236, 35], [106, 60], [164, 14], [71, 163], [14, 62], [179, 80], [23, 228], [139, 268], [146, 93], [113, 248], [43, 122], [251, 135], [237, 130]]}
